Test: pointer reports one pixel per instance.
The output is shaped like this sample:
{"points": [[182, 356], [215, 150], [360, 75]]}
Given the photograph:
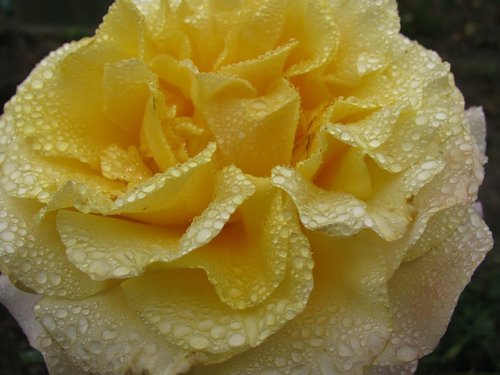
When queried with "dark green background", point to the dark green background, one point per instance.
{"points": [[464, 32]]}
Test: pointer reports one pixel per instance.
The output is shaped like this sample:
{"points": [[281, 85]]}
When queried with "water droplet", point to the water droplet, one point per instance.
{"points": [[37, 84], [165, 327], [280, 361], [61, 313], [108, 334], [198, 342], [236, 339], [181, 331], [41, 277], [49, 323], [218, 332], [406, 353], [8, 236], [203, 235]]}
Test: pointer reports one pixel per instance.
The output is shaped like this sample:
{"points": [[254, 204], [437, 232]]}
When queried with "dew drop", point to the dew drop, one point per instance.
{"points": [[41, 277], [165, 327], [280, 361], [37, 84], [406, 353], [8, 236], [218, 332], [203, 235], [198, 342], [236, 339]]}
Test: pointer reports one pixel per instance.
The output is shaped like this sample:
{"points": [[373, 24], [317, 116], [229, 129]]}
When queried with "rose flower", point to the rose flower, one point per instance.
{"points": [[240, 187]]}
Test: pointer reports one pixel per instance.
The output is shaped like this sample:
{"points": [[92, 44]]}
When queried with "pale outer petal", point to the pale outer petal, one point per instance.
{"points": [[424, 291], [474, 116], [100, 335], [20, 304]]}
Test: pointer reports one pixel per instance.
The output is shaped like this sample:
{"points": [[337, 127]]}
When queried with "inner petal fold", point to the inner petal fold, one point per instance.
{"points": [[246, 262], [245, 124], [113, 247], [189, 313]]}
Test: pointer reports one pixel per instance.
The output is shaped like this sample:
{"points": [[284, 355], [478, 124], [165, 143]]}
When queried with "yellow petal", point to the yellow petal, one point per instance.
{"points": [[264, 70], [112, 247], [55, 124], [232, 189], [246, 262], [168, 198], [154, 142], [257, 31], [346, 321], [178, 79], [338, 214], [312, 24], [32, 253], [371, 131], [172, 197], [189, 313], [101, 334], [424, 292], [455, 184], [365, 39], [106, 247], [418, 133], [30, 135], [124, 165], [126, 90], [245, 124], [56, 359], [347, 173]]}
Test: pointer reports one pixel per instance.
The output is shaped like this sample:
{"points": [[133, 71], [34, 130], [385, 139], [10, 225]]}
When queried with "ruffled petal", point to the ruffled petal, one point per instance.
{"points": [[102, 335], [33, 256], [168, 198], [340, 214], [28, 172], [20, 304], [257, 30], [113, 247], [124, 165], [346, 321], [246, 124], [313, 24], [189, 313], [244, 275], [264, 70], [474, 117], [367, 29], [424, 292]]}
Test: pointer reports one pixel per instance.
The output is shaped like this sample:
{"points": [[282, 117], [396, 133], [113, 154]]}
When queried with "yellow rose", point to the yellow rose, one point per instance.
{"points": [[241, 187]]}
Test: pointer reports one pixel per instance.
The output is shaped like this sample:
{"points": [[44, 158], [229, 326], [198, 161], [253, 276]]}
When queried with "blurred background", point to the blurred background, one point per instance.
{"points": [[464, 32]]}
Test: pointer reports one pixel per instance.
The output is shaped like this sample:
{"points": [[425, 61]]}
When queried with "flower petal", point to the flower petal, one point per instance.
{"points": [[168, 198], [345, 324], [264, 70], [367, 29], [241, 121], [247, 261], [474, 116], [102, 335], [28, 137], [335, 213], [32, 254], [20, 304], [112, 247], [189, 313], [339, 214], [439, 275], [124, 165]]}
